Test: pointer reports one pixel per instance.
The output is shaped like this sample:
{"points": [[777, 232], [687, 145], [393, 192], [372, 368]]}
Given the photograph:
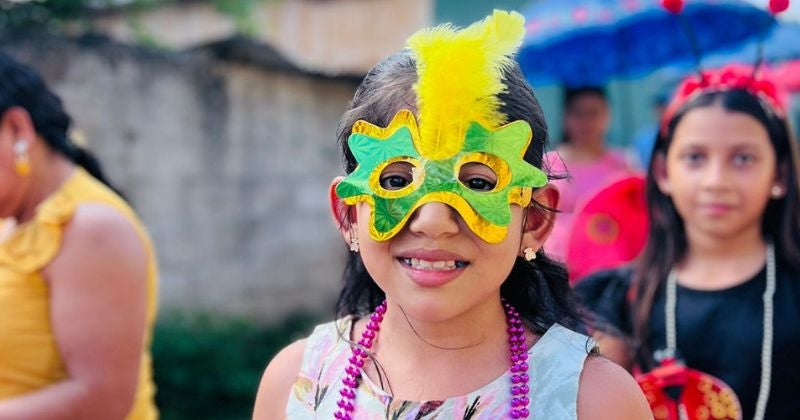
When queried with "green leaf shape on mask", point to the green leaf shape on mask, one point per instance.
{"points": [[486, 213]]}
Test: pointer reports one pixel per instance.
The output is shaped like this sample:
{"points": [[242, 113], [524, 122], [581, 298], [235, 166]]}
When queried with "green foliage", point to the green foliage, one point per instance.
{"points": [[241, 11], [53, 14], [207, 368]]}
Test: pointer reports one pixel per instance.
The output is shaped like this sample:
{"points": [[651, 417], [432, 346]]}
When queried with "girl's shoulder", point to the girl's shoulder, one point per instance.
{"points": [[609, 391], [298, 363], [278, 380]]}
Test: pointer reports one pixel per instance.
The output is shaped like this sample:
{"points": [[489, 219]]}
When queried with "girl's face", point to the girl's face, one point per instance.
{"points": [[586, 120], [719, 170], [436, 268]]}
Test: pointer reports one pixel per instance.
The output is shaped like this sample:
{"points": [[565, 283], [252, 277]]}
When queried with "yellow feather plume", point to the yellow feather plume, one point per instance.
{"points": [[459, 78]]}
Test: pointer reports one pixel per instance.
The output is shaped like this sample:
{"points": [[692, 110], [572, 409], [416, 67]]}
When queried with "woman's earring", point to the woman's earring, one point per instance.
{"points": [[353, 242], [529, 254], [22, 162], [776, 191]]}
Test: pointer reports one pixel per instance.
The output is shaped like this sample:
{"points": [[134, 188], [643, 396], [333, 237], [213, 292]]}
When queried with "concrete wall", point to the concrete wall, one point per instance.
{"points": [[228, 164], [332, 37]]}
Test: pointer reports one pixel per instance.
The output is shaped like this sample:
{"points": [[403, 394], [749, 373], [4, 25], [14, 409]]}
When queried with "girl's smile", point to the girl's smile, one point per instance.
{"points": [[432, 267]]}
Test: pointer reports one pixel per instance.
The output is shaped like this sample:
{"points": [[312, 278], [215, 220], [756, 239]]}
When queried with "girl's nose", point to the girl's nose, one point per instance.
{"points": [[434, 220], [715, 176]]}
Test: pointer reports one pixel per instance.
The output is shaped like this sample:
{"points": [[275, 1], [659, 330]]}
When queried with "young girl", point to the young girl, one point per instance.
{"points": [[444, 210], [718, 285], [77, 271]]}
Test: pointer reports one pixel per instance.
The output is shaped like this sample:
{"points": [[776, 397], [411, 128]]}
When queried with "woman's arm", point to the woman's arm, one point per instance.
{"points": [[277, 382], [98, 304], [607, 391]]}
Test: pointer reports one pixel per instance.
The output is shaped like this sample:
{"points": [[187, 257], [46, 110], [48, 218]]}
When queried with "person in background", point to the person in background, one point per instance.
{"points": [[715, 297], [583, 160], [77, 271]]}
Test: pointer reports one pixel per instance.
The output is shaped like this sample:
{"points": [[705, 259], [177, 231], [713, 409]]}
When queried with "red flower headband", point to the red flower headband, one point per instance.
{"points": [[730, 77]]}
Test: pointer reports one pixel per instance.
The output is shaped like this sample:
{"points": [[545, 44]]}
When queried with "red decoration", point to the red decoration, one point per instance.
{"points": [[609, 229], [778, 6], [730, 77], [676, 6], [702, 396]]}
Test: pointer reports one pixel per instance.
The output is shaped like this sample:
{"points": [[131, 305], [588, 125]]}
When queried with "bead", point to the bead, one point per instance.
{"points": [[517, 355], [356, 361], [350, 381]]}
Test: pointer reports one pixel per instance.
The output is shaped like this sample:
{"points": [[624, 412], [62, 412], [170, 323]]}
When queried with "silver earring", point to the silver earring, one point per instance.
{"points": [[776, 191], [529, 254], [353, 242]]}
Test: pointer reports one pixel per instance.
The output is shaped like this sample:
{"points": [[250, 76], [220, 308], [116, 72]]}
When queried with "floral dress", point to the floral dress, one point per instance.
{"points": [[556, 362]]}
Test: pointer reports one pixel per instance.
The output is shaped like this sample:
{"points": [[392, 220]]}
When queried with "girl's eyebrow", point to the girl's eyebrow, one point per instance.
{"points": [[700, 144]]}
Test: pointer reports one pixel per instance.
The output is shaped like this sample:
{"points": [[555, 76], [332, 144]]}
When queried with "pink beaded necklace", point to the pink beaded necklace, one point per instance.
{"points": [[517, 350]]}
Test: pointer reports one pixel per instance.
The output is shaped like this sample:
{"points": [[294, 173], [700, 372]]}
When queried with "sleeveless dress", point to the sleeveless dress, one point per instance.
{"points": [[556, 362], [29, 355]]}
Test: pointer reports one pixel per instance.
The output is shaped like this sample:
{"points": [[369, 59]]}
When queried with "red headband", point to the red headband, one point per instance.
{"points": [[730, 77]]}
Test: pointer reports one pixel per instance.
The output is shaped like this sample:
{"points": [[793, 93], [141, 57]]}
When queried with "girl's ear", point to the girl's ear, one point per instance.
{"points": [[660, 173], [539, 223], [344, 216], [779, 188]]}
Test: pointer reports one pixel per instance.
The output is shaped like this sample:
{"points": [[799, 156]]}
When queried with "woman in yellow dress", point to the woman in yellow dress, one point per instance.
{"points": [[77, 271]]}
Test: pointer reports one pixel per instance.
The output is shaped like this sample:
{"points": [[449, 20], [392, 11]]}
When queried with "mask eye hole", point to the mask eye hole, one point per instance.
{"points": [[477, 177], [397, 176]]}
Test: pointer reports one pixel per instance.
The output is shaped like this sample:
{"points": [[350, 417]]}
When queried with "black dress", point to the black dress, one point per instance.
{"points": [[718, 332]]}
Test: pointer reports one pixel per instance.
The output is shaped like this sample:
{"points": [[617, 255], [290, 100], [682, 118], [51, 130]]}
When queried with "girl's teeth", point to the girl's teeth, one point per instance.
{"points": [[433, 265]]}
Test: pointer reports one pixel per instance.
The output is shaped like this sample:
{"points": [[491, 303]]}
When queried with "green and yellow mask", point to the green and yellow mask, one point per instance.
{"points": [[459, 125]]}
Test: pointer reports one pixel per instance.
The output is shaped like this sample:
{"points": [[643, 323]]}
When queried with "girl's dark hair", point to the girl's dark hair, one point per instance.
{"points": [[571, 94], [667, 238], [540, 290], [22, 87]]}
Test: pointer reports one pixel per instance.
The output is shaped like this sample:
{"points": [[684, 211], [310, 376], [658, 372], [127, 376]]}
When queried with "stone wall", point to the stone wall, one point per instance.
{"points": [[227, 163]]}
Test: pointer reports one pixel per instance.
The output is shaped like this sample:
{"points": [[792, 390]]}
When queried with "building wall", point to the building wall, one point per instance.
{"points": [[331, 37], [228, 165]]}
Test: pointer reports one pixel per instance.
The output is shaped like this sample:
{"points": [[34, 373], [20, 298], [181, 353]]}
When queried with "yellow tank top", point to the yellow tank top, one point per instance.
{"points": [[29, 357]]}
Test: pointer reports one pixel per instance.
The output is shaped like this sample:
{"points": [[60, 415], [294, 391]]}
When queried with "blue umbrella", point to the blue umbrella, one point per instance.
{"points": [[589, 42], [780, 45]]}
